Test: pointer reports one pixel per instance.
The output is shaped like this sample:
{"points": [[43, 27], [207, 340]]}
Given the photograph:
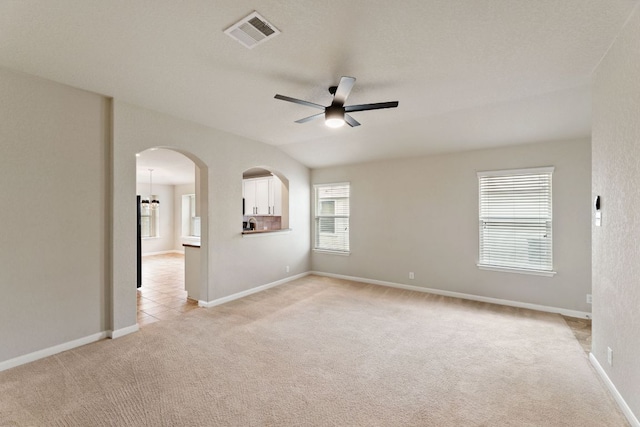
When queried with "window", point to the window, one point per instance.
{"points": [[190, 221], [149, 218], [332, 217], [515, 220], [327, 208]]}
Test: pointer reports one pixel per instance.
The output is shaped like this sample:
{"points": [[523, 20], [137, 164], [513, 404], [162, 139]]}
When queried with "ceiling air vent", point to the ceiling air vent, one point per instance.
{"points": [[252, 30]]}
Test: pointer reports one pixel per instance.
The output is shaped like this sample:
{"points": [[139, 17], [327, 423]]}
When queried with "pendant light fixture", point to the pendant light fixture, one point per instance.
{"points": [[150, 202]]}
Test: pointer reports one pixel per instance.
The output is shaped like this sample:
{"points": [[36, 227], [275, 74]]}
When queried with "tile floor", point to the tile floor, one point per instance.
{"points": [[581, 329], [162, 295]]}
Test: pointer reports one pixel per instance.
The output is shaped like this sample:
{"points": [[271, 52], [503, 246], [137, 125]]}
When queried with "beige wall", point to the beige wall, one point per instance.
{"points": [[616, 245], [54, 226], [421, 215]]}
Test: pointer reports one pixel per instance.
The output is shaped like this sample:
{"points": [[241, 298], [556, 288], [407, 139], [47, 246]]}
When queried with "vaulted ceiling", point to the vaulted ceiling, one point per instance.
{"points": [[467, 73]]}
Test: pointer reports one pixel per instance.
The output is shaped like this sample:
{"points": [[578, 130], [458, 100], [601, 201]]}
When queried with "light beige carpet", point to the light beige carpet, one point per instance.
{"points": [[322, 352]]}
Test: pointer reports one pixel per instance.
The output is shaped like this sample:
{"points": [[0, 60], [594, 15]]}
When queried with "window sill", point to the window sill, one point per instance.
{"points": [[150, 238], [517, 270], [330, 252]]}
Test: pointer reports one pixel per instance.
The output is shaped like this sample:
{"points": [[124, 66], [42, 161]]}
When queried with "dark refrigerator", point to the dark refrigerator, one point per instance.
{"points": [[139, 242]]}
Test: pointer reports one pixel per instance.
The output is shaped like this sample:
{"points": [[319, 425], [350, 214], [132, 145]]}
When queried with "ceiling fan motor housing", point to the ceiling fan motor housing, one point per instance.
{"points": [[334, 112]]}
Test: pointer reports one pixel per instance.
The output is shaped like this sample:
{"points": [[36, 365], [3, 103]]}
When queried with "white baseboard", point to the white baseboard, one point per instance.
{"points": [[633, 420], [172, 251], [558, 310], [46, 352], [213, 303], [123, 331], [31, 357]]}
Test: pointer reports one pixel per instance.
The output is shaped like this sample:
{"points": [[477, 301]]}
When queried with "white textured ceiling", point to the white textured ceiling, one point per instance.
{"points": [[169, 167], [467, 73]]}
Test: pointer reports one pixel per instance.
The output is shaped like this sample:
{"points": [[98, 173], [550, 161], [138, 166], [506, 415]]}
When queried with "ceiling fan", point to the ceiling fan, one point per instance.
{"points": [[335, 115]]}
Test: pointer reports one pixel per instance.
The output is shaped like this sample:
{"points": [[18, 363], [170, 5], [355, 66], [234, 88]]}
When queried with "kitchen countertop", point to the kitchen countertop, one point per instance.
{"points": [[264, 231]]}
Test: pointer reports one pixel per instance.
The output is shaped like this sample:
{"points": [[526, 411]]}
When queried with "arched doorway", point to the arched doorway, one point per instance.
{"points": [[168, 221], [122, 252]]}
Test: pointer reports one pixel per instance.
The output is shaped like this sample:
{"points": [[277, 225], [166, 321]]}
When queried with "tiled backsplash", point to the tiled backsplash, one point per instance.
{"points": [[265, 222]]}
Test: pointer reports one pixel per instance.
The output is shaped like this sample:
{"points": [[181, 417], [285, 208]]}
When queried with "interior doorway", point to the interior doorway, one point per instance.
{"points": [[165, 179], [162, 295]]}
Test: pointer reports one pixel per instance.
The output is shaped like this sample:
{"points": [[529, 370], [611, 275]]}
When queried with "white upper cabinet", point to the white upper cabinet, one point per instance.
{"points": [[275, 196], [262, 196]]}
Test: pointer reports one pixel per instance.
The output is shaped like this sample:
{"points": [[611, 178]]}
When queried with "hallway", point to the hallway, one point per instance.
{"points": [[162, 295]]}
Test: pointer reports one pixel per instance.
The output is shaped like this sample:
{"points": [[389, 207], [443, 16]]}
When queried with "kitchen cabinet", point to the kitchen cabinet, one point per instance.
{"points": [[275, 196], [262, 196], [256, 196]]}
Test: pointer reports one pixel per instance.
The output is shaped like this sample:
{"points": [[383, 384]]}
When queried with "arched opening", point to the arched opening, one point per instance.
{"points": [[169, 206], [265, 200]]}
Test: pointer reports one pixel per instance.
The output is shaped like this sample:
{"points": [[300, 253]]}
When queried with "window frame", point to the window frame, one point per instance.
{"points": [[545, 195], [154, 219], [190, 219], [318, 216]]}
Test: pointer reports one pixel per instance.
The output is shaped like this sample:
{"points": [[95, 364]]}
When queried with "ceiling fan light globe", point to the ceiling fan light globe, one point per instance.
{"points": [[334, 122]]}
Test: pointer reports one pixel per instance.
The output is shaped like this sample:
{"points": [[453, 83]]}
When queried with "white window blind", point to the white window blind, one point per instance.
{"points": [[516, 219], [332, 217]]}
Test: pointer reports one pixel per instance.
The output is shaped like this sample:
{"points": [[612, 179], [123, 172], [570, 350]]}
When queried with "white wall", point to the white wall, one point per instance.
{"points": [[616, 245], [54, 226], [233, 263], [166, 239], [421, 215]]}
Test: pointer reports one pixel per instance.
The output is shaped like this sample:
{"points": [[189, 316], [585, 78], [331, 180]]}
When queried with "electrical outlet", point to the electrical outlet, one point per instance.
{"points": [[286, 268], [411, 275], [610, 356], [589, 299]]}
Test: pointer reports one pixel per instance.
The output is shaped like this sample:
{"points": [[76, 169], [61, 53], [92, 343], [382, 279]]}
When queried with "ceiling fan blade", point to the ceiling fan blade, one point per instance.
{"points": [[365, 107], [308, 119], [299, 101], [343, 90], [351, 121]]}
